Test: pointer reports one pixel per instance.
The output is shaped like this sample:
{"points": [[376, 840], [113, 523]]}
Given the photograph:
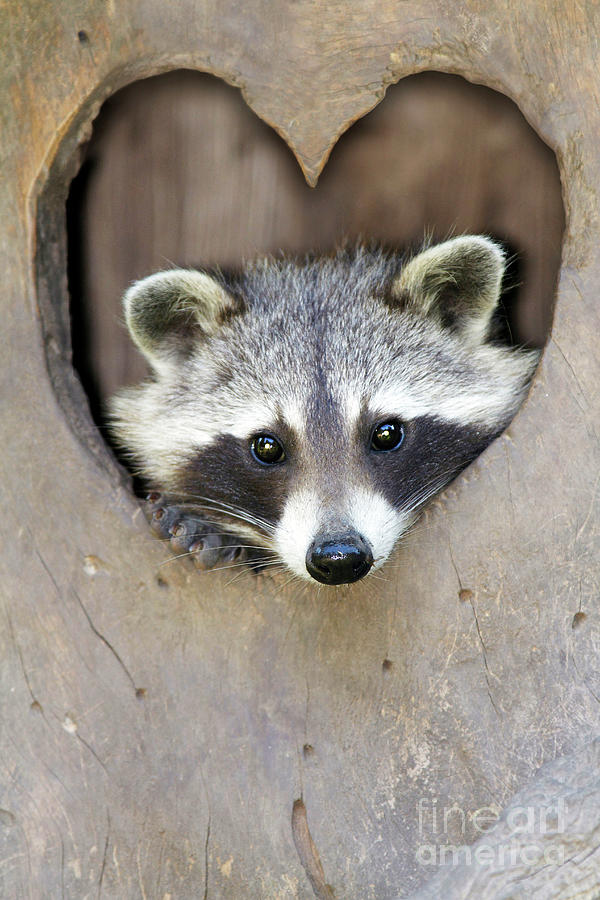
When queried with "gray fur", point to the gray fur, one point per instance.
{"points": [[169, 311], [314, 347]]}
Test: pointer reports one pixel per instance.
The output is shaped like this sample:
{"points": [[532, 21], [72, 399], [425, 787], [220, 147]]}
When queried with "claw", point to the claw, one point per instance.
{"points": [[207, 551], [190, 534]]}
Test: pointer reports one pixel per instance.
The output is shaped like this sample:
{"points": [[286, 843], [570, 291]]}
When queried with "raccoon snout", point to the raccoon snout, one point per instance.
{"points": [[339, 560]]}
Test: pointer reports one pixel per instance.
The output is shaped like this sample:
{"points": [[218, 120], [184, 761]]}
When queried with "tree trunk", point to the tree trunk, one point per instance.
{"points": [[172, 734]]}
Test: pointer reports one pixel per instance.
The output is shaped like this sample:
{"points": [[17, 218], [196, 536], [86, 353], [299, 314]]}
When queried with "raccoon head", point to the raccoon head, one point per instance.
{"points": [[314, 407]]}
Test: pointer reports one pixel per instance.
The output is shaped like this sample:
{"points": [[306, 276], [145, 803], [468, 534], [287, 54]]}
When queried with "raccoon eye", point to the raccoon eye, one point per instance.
{"points": [[266, 449], [387, 435]]}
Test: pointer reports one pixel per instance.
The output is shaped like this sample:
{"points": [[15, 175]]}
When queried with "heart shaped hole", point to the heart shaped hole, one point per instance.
{"points": [[180, 171]]}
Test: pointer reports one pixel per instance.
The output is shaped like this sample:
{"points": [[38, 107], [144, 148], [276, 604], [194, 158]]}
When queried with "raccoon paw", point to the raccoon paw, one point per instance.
{"points": [[190, 535]]}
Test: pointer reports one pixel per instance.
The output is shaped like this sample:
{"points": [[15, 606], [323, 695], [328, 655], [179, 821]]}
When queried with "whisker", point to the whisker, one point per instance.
{"points": [[193, 553], [294, 577], [427, 490], [377, 576], [235, 578], [199, 534], [222, 506], [264, 564], [251, 520], [270, 566]]}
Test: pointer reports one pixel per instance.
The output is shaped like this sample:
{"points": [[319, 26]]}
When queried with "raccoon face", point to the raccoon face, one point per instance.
{"points": [[314, 407]]}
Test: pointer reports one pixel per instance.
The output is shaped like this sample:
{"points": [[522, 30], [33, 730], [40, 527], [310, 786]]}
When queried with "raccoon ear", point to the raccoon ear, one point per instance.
{"points": [[167, 313], [457, 282]]}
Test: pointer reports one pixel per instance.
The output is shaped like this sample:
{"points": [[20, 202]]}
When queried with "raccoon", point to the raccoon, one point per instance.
{"points": [[304, 411]]}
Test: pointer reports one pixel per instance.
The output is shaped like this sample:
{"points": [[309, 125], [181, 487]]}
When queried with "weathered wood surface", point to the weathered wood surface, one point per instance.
{"points": [[158, 726], [556, 855]]}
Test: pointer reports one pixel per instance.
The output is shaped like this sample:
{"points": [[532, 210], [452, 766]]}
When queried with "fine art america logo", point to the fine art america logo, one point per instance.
{"points": [[525, 836]]}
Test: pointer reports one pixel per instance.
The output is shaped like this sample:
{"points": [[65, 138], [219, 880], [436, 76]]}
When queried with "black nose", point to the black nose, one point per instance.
{"points": [[339, 560]]}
